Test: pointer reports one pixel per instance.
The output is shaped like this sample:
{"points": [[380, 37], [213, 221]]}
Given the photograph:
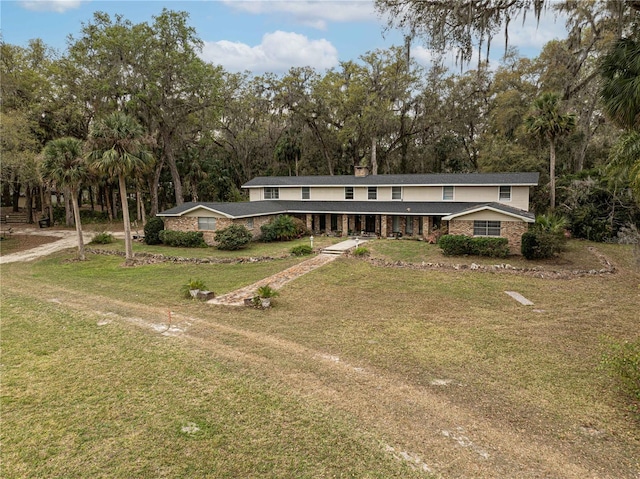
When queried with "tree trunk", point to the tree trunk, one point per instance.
{"points": [[552, 172], [107, 200], [114, 202], [374, 157], [16, 196], [93, 206], [68, 209], [128, 245], [138, 204], [29, 205], [76, 215], [155, 186], [173, 168], [6, 194]]}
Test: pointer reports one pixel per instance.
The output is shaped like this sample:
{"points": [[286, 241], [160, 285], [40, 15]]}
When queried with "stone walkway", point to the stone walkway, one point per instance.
{"points": [[276, 281]]}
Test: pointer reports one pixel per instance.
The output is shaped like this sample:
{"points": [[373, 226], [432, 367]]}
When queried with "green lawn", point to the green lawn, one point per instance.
{"points": [[255, 249], [349, 363]]}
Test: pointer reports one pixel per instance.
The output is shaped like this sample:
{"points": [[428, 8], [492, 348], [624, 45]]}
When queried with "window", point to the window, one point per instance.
{"points": [[396, 192], [486, 228], [206, 223], [348, 192], [250, 223], [505, 193], [372, 193], [271, 193], [395, 225], [408, 225], [447, 193], [306, 194]]}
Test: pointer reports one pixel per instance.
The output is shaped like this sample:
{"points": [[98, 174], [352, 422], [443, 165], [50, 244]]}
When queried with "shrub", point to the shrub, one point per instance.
{"points": [[267, 291], [545, 239], [103, 238], [491, 247], [184, 239], [233, 237], [192, 284], [152, 230], [361, 251], [301, 250], [455, 245], [458, 245], [283, 228], [622, 360]]}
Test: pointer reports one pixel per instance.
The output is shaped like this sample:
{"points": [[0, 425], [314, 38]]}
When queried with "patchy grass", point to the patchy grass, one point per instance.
{"points": [[442, 366], [255, 248], [576, 255], [82, 400]]}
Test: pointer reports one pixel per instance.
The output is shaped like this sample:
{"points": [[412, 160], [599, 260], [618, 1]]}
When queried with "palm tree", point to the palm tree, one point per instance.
{"points": [[64, 165], [548, 122], [119, 150], [620, 92]]}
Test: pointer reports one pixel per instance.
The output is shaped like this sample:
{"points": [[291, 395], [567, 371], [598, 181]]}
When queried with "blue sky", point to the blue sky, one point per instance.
{"points": [[261, 35]]}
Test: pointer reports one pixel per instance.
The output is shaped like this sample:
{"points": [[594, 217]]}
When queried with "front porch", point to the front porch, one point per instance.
{"points": [[382, 226]]}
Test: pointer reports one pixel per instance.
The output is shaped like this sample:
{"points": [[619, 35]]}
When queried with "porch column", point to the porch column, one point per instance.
{"points": [[308, 221], [426, 227], [316, 220], [415, 226], [345, 225], [383, 226], [327, 222]]}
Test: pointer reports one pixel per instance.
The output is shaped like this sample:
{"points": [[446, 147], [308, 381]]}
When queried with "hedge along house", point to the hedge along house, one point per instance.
{"points": [[474, 204]]}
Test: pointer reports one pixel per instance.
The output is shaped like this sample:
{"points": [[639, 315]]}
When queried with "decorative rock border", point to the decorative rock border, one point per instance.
{"points": [[153, 258], [535, 271]]}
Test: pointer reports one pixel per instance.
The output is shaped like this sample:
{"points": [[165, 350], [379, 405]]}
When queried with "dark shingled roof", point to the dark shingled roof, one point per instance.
{"points": [[270, 207], [443, 179]]}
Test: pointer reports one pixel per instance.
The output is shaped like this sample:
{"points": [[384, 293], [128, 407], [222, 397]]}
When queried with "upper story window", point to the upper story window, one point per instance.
{"points": [[372, 193], [505, 193], [348, 192], [486, 228], [206, 223], [306, 194], [271, 193], [447, 193], [396, 192]]}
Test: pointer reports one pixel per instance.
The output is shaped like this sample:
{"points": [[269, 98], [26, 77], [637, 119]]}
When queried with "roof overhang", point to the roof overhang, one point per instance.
{"points": [[524, 216]]}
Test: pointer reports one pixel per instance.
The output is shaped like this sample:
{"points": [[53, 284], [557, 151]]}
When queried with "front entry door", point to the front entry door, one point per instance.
{"points": [[370, 224]]}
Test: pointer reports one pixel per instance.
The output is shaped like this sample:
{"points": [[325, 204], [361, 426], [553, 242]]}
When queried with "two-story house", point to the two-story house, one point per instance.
{"points": [[475, 204]]}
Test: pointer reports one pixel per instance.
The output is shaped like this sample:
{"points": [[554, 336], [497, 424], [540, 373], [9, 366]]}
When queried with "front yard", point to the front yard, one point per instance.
{"points": [[358, 371]]}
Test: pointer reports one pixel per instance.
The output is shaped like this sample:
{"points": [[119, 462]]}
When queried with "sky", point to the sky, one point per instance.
{"points": [[257, 35]]}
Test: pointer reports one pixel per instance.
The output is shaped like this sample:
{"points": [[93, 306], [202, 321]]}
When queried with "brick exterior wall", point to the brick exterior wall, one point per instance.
{"points": [[512, 230], [190, 223]]}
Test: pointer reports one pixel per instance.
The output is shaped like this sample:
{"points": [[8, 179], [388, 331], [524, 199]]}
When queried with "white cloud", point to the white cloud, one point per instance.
{"points": [[315, 14], [278, 52], [59, 6]]}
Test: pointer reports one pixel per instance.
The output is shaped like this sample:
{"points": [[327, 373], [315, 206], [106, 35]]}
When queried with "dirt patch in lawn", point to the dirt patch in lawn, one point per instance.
{"points": [[17, 243]]}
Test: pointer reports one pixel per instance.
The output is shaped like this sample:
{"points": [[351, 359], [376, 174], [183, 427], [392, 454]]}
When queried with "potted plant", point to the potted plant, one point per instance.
{"points": [[265, 293]]}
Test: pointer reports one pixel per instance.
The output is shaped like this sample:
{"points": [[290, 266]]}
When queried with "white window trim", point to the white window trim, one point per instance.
{"points": [[308, 193], [486, 227], [453, 193], [506, 200], [401, 191], [271, 189], [208, 219], [353, 193], [375, 190]]}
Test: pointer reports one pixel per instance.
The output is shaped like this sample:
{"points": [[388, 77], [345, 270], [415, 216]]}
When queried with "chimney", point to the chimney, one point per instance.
{"points": [[361, 171]]}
